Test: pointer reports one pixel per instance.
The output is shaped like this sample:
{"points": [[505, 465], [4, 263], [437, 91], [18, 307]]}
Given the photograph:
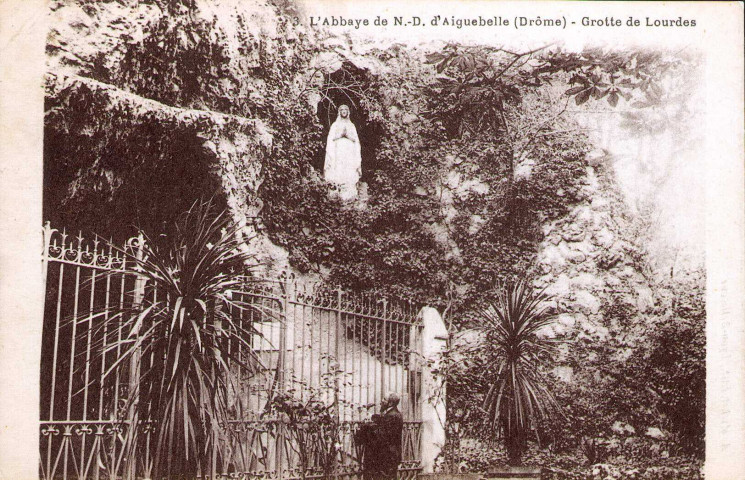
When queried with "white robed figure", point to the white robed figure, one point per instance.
{"points": [[343, 165]]}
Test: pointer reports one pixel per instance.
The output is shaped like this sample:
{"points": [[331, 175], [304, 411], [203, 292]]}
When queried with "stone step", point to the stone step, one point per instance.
{"points": [[508, 473], [514, 473]]}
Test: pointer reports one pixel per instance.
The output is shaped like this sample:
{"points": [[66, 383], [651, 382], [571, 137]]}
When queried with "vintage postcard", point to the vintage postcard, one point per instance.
{"points": [[297, 239]]}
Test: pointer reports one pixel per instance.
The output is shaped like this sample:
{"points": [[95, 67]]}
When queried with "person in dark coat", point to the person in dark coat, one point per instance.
{"points": [[368, 440], [380, 440], [391, 426]]}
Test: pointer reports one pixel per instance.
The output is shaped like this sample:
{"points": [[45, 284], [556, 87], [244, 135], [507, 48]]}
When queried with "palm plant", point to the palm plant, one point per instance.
{"points": [[518, 394], [183, 345]]}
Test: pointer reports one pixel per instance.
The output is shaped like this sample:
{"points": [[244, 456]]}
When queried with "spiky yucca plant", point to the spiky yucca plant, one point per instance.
{"points": [[518, 392], [184, 325]]}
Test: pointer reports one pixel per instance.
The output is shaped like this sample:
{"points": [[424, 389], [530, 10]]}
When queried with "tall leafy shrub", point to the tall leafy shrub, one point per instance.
{"points": [[515, 356], [186, 324]]}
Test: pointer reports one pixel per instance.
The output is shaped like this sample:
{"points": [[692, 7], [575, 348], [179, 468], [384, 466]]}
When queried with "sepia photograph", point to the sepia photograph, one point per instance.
{"points": [[297, 239]]}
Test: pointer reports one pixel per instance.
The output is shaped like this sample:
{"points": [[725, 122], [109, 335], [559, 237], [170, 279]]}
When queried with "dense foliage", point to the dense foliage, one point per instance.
{"points": [[438, 216], [445, 213], [637, 398], [314, 430], [443, 133]]}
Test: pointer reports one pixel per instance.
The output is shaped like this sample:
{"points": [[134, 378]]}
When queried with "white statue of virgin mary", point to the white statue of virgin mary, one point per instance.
{"points": [[343, 164]]}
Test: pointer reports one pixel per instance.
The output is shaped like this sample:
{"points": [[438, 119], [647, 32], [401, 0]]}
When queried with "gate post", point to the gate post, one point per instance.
{"points": [[434, 343], [136, 244], [138, 295], [287, 296]]}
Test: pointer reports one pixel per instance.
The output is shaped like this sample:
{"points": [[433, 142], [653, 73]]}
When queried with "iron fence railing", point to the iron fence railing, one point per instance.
{"points": [[342, 349]]}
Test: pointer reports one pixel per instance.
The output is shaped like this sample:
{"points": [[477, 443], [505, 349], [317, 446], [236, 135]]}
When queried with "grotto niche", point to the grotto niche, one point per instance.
{"points": [[350, 85]]}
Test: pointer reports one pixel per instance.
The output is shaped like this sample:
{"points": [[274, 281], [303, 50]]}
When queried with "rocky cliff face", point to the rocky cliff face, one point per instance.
{"points": [[630, 367], [110, 150], [589, 262], [149, 109], [590, 251], [151, 106]]}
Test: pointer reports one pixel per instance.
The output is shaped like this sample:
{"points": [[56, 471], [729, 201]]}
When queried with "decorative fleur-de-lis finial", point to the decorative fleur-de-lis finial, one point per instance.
{"points": [[112, 254]]}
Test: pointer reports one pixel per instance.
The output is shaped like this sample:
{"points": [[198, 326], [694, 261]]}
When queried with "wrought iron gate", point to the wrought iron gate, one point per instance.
{"points": [[326, 346]]}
